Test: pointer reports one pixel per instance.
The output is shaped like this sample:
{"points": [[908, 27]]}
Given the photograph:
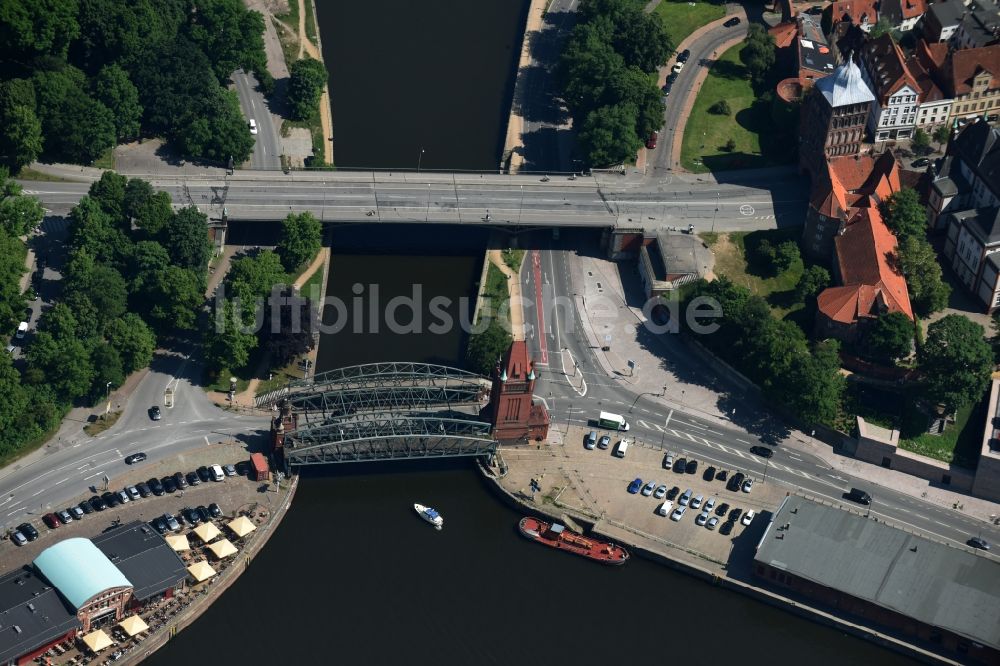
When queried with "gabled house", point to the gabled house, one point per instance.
{"points": [[869, 284], [978, 28], [862, 13], [902, 14], [968, 176], [972, 248], [971, 77], [925, 66], [942, 20], [894, 113]]}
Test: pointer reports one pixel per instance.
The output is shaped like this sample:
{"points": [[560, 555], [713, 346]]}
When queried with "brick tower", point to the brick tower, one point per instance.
{"points": [[515, 417]]}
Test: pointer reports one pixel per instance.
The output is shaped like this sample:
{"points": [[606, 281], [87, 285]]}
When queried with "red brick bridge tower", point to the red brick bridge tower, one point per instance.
{"points": [[515, 417]]}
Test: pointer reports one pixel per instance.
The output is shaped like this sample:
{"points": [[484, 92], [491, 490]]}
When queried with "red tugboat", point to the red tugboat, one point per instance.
{"points": [[557, 536]]}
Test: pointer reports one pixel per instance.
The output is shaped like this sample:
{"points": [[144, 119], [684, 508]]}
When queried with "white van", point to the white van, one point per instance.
{"points": [[217, 473], [622, 448], [22, 328], [665, 508]]}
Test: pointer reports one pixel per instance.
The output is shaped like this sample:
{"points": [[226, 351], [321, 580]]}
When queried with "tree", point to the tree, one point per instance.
{"points": [[305, 86], [21, 140], [608, 136], [230, 35], [294, 337], [918, 262], [109, 193], [100, 284], [64, 363], [172, 297], [107, 365], [186, 238], [229, 346], [214, 129], [133, 340], [20, 214], [956, 362], [813, 386], [255, 274], [758, 54], [786, 254], [486, 347], [904, 214], [76, 127], [148, 209], [921, 141], [890, 337], [31, 28], [881, 27], [721, 108], [115, 90], [301, 236], [729, 146], [941, 134], [813, 280]]}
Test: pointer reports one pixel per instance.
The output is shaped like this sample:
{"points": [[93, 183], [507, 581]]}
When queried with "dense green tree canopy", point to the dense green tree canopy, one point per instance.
{"points": [[305, 86], [132, 339], [918, 263], [486, 347], [31, 28], [301, 235], [608, 135], [956, 361], [813, 280], [758, 54], [890, 338], [186, 238], [230, 35], [116, 91], [904, 214]]}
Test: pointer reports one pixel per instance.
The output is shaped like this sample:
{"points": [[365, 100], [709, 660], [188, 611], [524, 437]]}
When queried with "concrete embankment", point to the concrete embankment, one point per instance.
{"points": [[513, 147]]}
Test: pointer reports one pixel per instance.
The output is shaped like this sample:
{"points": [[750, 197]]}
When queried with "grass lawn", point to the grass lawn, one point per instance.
{"points": [[27, 173], [731, 261], [107, 160], [103, 422], [764, 132], [221, 382], [682, 18], [513, 258], [314, 283], [280, 377]]}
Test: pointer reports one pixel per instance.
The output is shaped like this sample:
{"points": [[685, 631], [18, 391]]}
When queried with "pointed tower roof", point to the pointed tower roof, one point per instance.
{"points": [[845, 86]]}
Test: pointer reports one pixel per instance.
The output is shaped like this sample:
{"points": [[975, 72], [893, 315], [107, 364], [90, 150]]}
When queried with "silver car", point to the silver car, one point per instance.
{"points": [[702, 518], [660, 492]]}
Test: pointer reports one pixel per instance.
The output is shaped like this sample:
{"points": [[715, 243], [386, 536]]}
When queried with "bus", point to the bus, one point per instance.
{"points": [[612, 421]]}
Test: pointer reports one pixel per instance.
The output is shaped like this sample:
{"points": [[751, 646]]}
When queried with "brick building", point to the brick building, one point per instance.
{"points": [[834, 118], [514, 414]]}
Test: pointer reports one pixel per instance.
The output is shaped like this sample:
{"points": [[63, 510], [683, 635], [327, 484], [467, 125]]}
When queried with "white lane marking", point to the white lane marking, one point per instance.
{"points": [[61, 481], [39, 492], [87, 478], [669, 416]]}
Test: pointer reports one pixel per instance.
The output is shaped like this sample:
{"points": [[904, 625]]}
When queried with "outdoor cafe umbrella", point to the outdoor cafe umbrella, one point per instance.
{"points": [[241, 526], [97, 640], [223, 548], [178, 542], [201, 571], [206, 532], [133, 625]]}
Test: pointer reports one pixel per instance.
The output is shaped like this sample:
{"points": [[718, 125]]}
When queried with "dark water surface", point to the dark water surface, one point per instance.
{"points": [[412, 74]]}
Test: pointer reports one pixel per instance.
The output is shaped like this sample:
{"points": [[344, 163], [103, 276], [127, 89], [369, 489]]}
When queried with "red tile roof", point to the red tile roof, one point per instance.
{"points": [[887, 67], [871, 286], [913, 8], [784, 34], [967, 63], [855, 10], [931, 56]]}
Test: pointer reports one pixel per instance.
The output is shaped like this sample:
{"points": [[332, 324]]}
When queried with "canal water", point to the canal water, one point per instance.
{"points": [[353, 576], [410, 77]]}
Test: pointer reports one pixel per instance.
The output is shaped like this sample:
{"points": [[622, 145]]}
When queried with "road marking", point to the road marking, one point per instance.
{"points": [[39, 492], [61, 481], [207, 443], [669, 416], [87, 478]]}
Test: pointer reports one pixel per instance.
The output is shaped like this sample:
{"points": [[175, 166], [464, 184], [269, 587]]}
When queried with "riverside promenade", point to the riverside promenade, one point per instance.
{"points": [[588, 487]]}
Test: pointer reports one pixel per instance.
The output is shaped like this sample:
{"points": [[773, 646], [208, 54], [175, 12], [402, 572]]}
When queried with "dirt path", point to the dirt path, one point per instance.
{"points": [[514, 289], [316, 265], [325, 113]]}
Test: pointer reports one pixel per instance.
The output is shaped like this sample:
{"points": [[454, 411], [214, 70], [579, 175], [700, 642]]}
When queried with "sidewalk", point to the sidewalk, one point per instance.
{"points": [[662, 362], [514, 289]]}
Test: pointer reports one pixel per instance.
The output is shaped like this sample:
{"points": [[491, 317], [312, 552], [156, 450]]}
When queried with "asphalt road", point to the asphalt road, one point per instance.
{"points": [[267, 149], [685, 433], [757, 202]]}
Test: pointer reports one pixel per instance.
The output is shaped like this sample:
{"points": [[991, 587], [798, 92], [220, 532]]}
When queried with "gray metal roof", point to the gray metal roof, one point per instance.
{"points": [[939, 585], [144, 557], [31, 614], [681, 253], [845, 86], [948, 12]]}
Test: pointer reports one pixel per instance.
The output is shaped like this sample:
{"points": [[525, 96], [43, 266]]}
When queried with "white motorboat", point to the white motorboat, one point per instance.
{"points": [[430, 515]]}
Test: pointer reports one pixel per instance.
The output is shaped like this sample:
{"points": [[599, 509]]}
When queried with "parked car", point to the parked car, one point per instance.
{"points": [[709, 504], [921, 162], [680, 465], [651, 141], [76, 512], [604, 442], [180, 480], [143, 489], [677, 67], [634, 487], [156, 486], [217, 473], [722, 475], [709, 473], [86, 507], [748, 517], [169, 484], [735, 481], [160, 525], [978, 542], [668, 461], [726, 527], [692, 467], [18, 538], [660, 492], [735, 21], [28, 530], [684, 55], [111, 499], [672, 493], [204, 474], [51, 521], [154, 413], [171, 522], [229, 470], [702, 518], [64, 517], [722, 509], [712, 522], [97, 504], [734, 515], [123, 496], [135, 458], [191, 516], [665, 508], [214, 509], [133, 493], [671, 77], [678, 513], [203, 513], [747, 485], [193, 479], [696, 502], [685, 498], [647, 489]]}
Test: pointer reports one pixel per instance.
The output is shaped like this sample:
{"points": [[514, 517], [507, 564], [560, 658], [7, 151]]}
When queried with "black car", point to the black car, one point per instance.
{"points": [[672, 493], [143, 489], [709, 473], [169, 484], [180, 480], [859, 496], [97, 503], [722, 475], [191, 516], [28, 530], [735, 514], [921, 162], [761, 451], [684, 55], [722, 509], [727, 527], [204, 474], [86, 507], [111, 499], [978, 542], [214, 509], [155, 486], [204, 513], [154, 413], [732, 22], [671, 77], [160, 525], [735, 481], [192, 479], [692, 467], [135, 458], [680, 464]]}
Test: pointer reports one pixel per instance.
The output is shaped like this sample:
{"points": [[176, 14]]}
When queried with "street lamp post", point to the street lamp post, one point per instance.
{"points": [[716, 211], [662, 392], [420, 157]]}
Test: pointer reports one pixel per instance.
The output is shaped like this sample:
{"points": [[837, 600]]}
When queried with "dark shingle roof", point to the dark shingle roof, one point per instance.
{"points": [[31, 614], [983, 223], [979, 147], [939, 585], [144, 556]]}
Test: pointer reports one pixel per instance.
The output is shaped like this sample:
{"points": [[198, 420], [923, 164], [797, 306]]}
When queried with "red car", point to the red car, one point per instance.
{"points": [[651, 141], [51, 521]]}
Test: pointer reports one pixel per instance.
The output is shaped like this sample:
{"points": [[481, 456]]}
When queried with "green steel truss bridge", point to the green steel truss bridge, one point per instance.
{"points": [[385, 411]]}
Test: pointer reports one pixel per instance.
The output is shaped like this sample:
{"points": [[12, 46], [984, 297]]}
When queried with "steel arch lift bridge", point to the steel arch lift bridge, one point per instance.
{"points": [[381, 411]]}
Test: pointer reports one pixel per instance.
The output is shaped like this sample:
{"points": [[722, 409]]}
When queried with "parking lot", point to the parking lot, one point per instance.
{"points": [[596, 483]]}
